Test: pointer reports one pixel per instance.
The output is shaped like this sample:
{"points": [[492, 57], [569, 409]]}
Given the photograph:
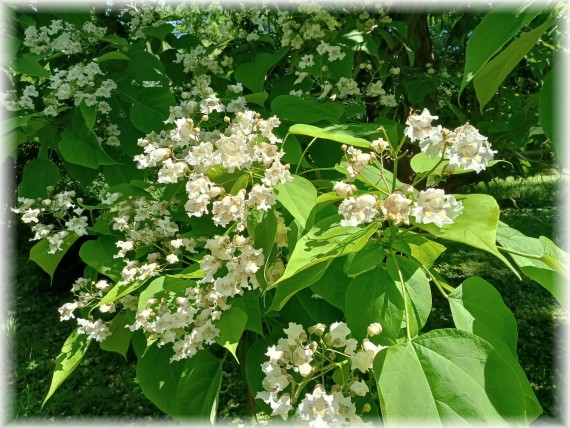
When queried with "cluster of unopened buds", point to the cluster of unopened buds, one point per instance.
{"points": [[304, 357]]}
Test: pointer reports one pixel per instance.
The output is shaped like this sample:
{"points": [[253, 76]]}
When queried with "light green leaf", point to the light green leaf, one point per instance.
{"points": [[326, 134], [477, 307], [445, 377], [252, 74], [324, 241], [258, 98], [231, 325], [120, 336], [493, 32], [49, 262], [37, 176], [421, 163], [420, 248], [539, 264], [489, 78], [476, 225], [374, 297], [67, 361], [295, 109], [180, 388], [262, 225], [418, 291], [299, 197], [249, 303]]}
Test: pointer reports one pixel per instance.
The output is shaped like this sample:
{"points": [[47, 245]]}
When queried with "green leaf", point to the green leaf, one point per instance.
{"points": [[295, 109], [29, 64], [249, 303], [77, 150], [98, 254], [112, 56], [420, 248], [258, 98], [254, 375], [538, 265], [374, 297], [292, 285], [325, 134], [324, 241], [489, 78], [307, 309], [476, 225], [493, 32], [180, 388], [418, 291], [38, 174], [161, 287], [120, 290], [90, 115], [120, 337], [49, 262], [299, 197], [160, 32], [364, 260], [333, 284], [252, 74], [151, 109], [262, 225], [477, 307], [67, 361], [422, 162], [115, 40], [231, 325], [444, 377]]}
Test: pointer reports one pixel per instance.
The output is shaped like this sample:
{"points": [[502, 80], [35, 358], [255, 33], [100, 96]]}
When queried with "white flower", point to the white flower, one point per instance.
{"points": [[470, 149], [362, 361], [434, 142], [66, 311], [295, 332], [358, 210], [359, 388], [434, 206], [338, 332], [396, 207], [344, 189], [419, 126], [317, 406], [379, 145]]}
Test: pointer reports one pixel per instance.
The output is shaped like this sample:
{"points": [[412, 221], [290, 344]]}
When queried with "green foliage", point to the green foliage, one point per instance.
{"points": [[200, 238]]}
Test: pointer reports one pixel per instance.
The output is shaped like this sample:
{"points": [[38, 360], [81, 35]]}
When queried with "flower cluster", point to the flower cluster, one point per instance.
{"points": [[465, 147], [62, 36], [305, 356], [188, 320], [62, 206]]}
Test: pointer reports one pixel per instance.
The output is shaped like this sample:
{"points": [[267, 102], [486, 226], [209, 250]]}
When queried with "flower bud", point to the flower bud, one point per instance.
{"points": [[205, 117], [406, 189], [317, 329], [448, 169], [366, 408], [374, 329]]}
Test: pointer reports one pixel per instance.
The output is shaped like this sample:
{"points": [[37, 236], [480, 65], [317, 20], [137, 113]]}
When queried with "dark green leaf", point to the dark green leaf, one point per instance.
{"points": [[37, 176], [49, 262], [120, 336], [151, 109], [252, 74], [295, 109]]}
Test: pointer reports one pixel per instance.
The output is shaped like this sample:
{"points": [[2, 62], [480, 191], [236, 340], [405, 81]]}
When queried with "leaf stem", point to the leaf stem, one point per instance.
{"points": [[403, 283], [303, 154]]}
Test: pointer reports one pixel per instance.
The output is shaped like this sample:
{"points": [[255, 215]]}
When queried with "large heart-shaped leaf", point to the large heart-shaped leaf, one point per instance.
{"points": [[299, 197], [180, 388], [446, 377]]}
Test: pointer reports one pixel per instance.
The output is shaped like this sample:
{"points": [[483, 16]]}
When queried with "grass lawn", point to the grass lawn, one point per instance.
{"points": [[104, 384]]}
